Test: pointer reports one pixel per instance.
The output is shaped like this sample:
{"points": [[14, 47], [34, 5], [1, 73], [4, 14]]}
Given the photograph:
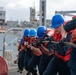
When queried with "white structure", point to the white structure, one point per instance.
{"points": [[9, 56], [42, 12], [67, 13], [32, 14], [2, 15], [34, 23], [12, 23]]}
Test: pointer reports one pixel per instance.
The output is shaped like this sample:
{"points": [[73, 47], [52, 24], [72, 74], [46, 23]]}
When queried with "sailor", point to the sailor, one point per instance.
{"points": [[59, 63], [29, 53], [19, 51], [22, 48], [35, 50], [68, 27], [71, 25], [42, 33], [72, 61]]}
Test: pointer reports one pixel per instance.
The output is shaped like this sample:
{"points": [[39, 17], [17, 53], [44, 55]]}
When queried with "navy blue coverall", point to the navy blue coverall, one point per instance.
{"points": [[57, 65], [33, 63], [72, 62], [27, 57], [44, 61], [21, 60]]}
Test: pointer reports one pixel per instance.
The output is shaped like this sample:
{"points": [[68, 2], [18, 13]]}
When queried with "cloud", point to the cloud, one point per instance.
{"points": [[20, 4], [11, 5], [58, 5], [17, 14], [20, 8]]}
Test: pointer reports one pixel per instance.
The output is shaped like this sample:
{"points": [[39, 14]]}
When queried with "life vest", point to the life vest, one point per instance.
{"points": [[73, 39], [26, 41], [66, 57], [24, 44], [49, 33], [74, 17], [34, 40], [57, 37], [20, 45]]}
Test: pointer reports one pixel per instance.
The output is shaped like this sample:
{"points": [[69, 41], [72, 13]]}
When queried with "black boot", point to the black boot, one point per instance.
{"points": [[20, 71], [28, 73]]}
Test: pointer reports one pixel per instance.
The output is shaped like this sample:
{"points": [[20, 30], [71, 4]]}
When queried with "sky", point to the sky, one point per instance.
{"points": [[19, 9]]}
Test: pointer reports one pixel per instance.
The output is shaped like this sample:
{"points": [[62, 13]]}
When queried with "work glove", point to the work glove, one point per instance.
{"points": [[61, 43], [39, 43], [74, 42], [49, 39]]}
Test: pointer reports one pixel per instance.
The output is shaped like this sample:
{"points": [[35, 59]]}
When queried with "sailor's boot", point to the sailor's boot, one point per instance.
{"points": [[28, 73]]}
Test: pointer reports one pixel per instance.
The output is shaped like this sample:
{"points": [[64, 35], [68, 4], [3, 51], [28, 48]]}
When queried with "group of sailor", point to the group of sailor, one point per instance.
{"points": [[43, 54]]}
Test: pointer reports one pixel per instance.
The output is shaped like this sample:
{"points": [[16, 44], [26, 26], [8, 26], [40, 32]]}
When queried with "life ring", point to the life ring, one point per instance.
{"points": [[3, 67]]}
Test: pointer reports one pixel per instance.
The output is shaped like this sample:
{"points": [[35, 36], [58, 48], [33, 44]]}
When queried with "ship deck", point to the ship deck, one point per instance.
{"points": [[12, 70]]}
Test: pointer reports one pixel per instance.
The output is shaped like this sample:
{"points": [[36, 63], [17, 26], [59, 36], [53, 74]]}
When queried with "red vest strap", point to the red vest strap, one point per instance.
{"points": [[64, 58]]}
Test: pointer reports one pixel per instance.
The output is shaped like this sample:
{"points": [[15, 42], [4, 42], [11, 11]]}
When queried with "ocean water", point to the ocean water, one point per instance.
{"points": [[12, 46]]}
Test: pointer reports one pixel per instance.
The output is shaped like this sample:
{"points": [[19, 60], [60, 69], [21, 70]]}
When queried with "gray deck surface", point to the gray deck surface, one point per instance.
{"points": [[12, 70]]}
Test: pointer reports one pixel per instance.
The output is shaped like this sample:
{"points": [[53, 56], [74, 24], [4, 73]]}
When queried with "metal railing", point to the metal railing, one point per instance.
{"points": [[4, 38]]}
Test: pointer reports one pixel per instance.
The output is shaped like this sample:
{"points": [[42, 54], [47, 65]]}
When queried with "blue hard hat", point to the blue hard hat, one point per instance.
{"points": [[33, 32], [41, 31], [26, 32], [21, 40], [57, 20]]}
